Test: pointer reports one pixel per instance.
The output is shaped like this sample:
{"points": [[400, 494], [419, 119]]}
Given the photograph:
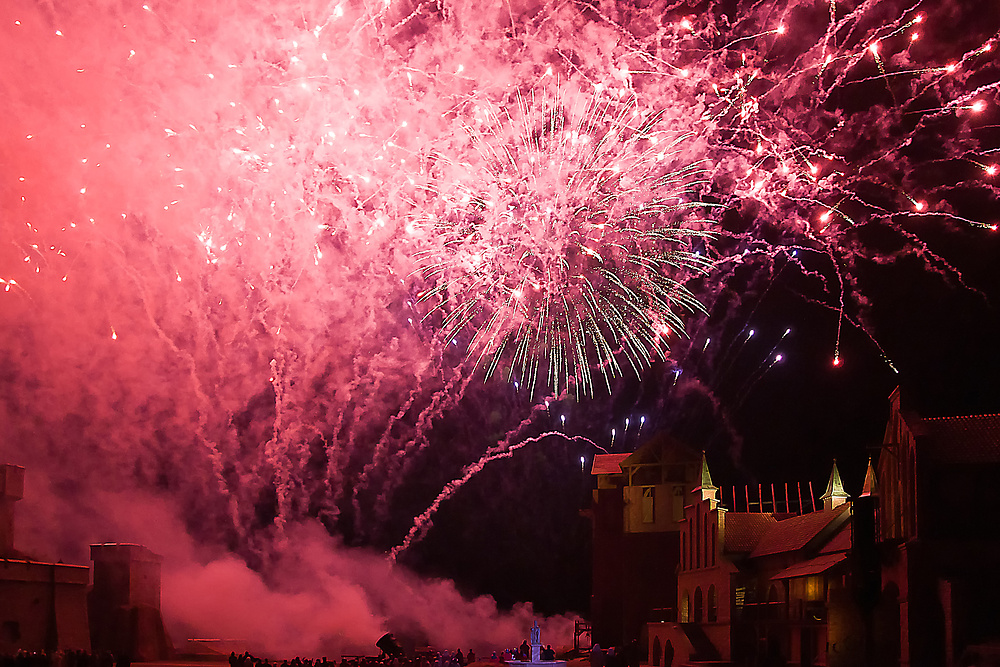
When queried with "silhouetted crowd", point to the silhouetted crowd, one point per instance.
{"points": [[63, 659], [523, 653], [433, 659]]}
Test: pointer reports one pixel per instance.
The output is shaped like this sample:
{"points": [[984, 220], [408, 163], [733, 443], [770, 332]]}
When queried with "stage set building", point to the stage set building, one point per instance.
{"points": [[904, 574], [48, 607]]}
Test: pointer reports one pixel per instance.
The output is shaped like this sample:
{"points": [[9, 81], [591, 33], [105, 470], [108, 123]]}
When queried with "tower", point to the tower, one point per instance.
{"points": [[706, 487], [125, 602]]}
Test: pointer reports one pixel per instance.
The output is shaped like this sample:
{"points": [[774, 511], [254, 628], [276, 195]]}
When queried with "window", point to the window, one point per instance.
{"points": [[683, 552], [699, 606], [657, 652], [813, 588], [697, 537], [648, 504], [715, 530], [685, 608], [690, 551], [704, 529], [713, 605], [775, 602]]}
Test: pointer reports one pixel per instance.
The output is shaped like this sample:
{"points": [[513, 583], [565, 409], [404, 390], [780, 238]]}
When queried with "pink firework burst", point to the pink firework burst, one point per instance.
{"points": [[563, 238]]}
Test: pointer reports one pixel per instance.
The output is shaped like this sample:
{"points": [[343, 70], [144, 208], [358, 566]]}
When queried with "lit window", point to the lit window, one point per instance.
{"points": [[814, 588]]}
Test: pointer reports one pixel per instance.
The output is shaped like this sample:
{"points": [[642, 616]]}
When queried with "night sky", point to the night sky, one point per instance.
{"points": [[257, 260]]}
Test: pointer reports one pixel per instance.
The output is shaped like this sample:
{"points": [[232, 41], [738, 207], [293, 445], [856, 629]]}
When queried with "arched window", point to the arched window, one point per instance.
{"points": [[657, 652], [683, 552], [685, 607], [699, 606], [704, 530], [715, 532], [690, 547], [648, 504], [774, 599], [713, 605], [697, 537]]}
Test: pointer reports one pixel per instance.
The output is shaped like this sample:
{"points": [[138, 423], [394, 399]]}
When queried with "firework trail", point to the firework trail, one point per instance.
{"points": [[250, 250]]}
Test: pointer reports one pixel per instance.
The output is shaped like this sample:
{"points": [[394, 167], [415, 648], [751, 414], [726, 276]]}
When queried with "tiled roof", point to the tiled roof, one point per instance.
{"points": [[795, 532], [744, 530], [608, 464], [973, 439], [811, 566], [840, 542]]}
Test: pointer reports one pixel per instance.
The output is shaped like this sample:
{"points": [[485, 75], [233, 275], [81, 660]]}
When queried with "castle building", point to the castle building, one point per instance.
{"points": [[637, 512], [43, 605], [762, 587], [125, 602], [906, 574], [48, 606], [939, 544]]}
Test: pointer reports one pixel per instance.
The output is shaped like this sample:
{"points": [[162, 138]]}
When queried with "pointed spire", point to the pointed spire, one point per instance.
{"points": [[835, 496], [706, 487], [870, 487]]}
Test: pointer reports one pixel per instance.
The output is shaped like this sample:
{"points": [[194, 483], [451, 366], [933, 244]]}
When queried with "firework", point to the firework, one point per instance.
{"points": [[566, 239]]}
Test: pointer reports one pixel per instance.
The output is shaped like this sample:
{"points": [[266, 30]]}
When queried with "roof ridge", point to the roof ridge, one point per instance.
{"points": [[988, 414]]}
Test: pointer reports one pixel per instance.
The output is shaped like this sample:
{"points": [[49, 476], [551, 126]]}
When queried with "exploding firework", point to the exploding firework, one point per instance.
{"points": [[568, 240]]}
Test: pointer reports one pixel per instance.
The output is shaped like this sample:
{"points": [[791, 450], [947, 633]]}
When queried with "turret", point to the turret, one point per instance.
{"points": [[125, 602], [870, 487], [835, 496], [706, 488]]}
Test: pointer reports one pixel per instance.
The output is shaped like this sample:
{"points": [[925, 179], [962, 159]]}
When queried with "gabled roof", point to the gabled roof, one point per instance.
{"points": [[661, 448], [796, 532], [812, 566], [608, 464], [744, 530], [972, 439]]}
